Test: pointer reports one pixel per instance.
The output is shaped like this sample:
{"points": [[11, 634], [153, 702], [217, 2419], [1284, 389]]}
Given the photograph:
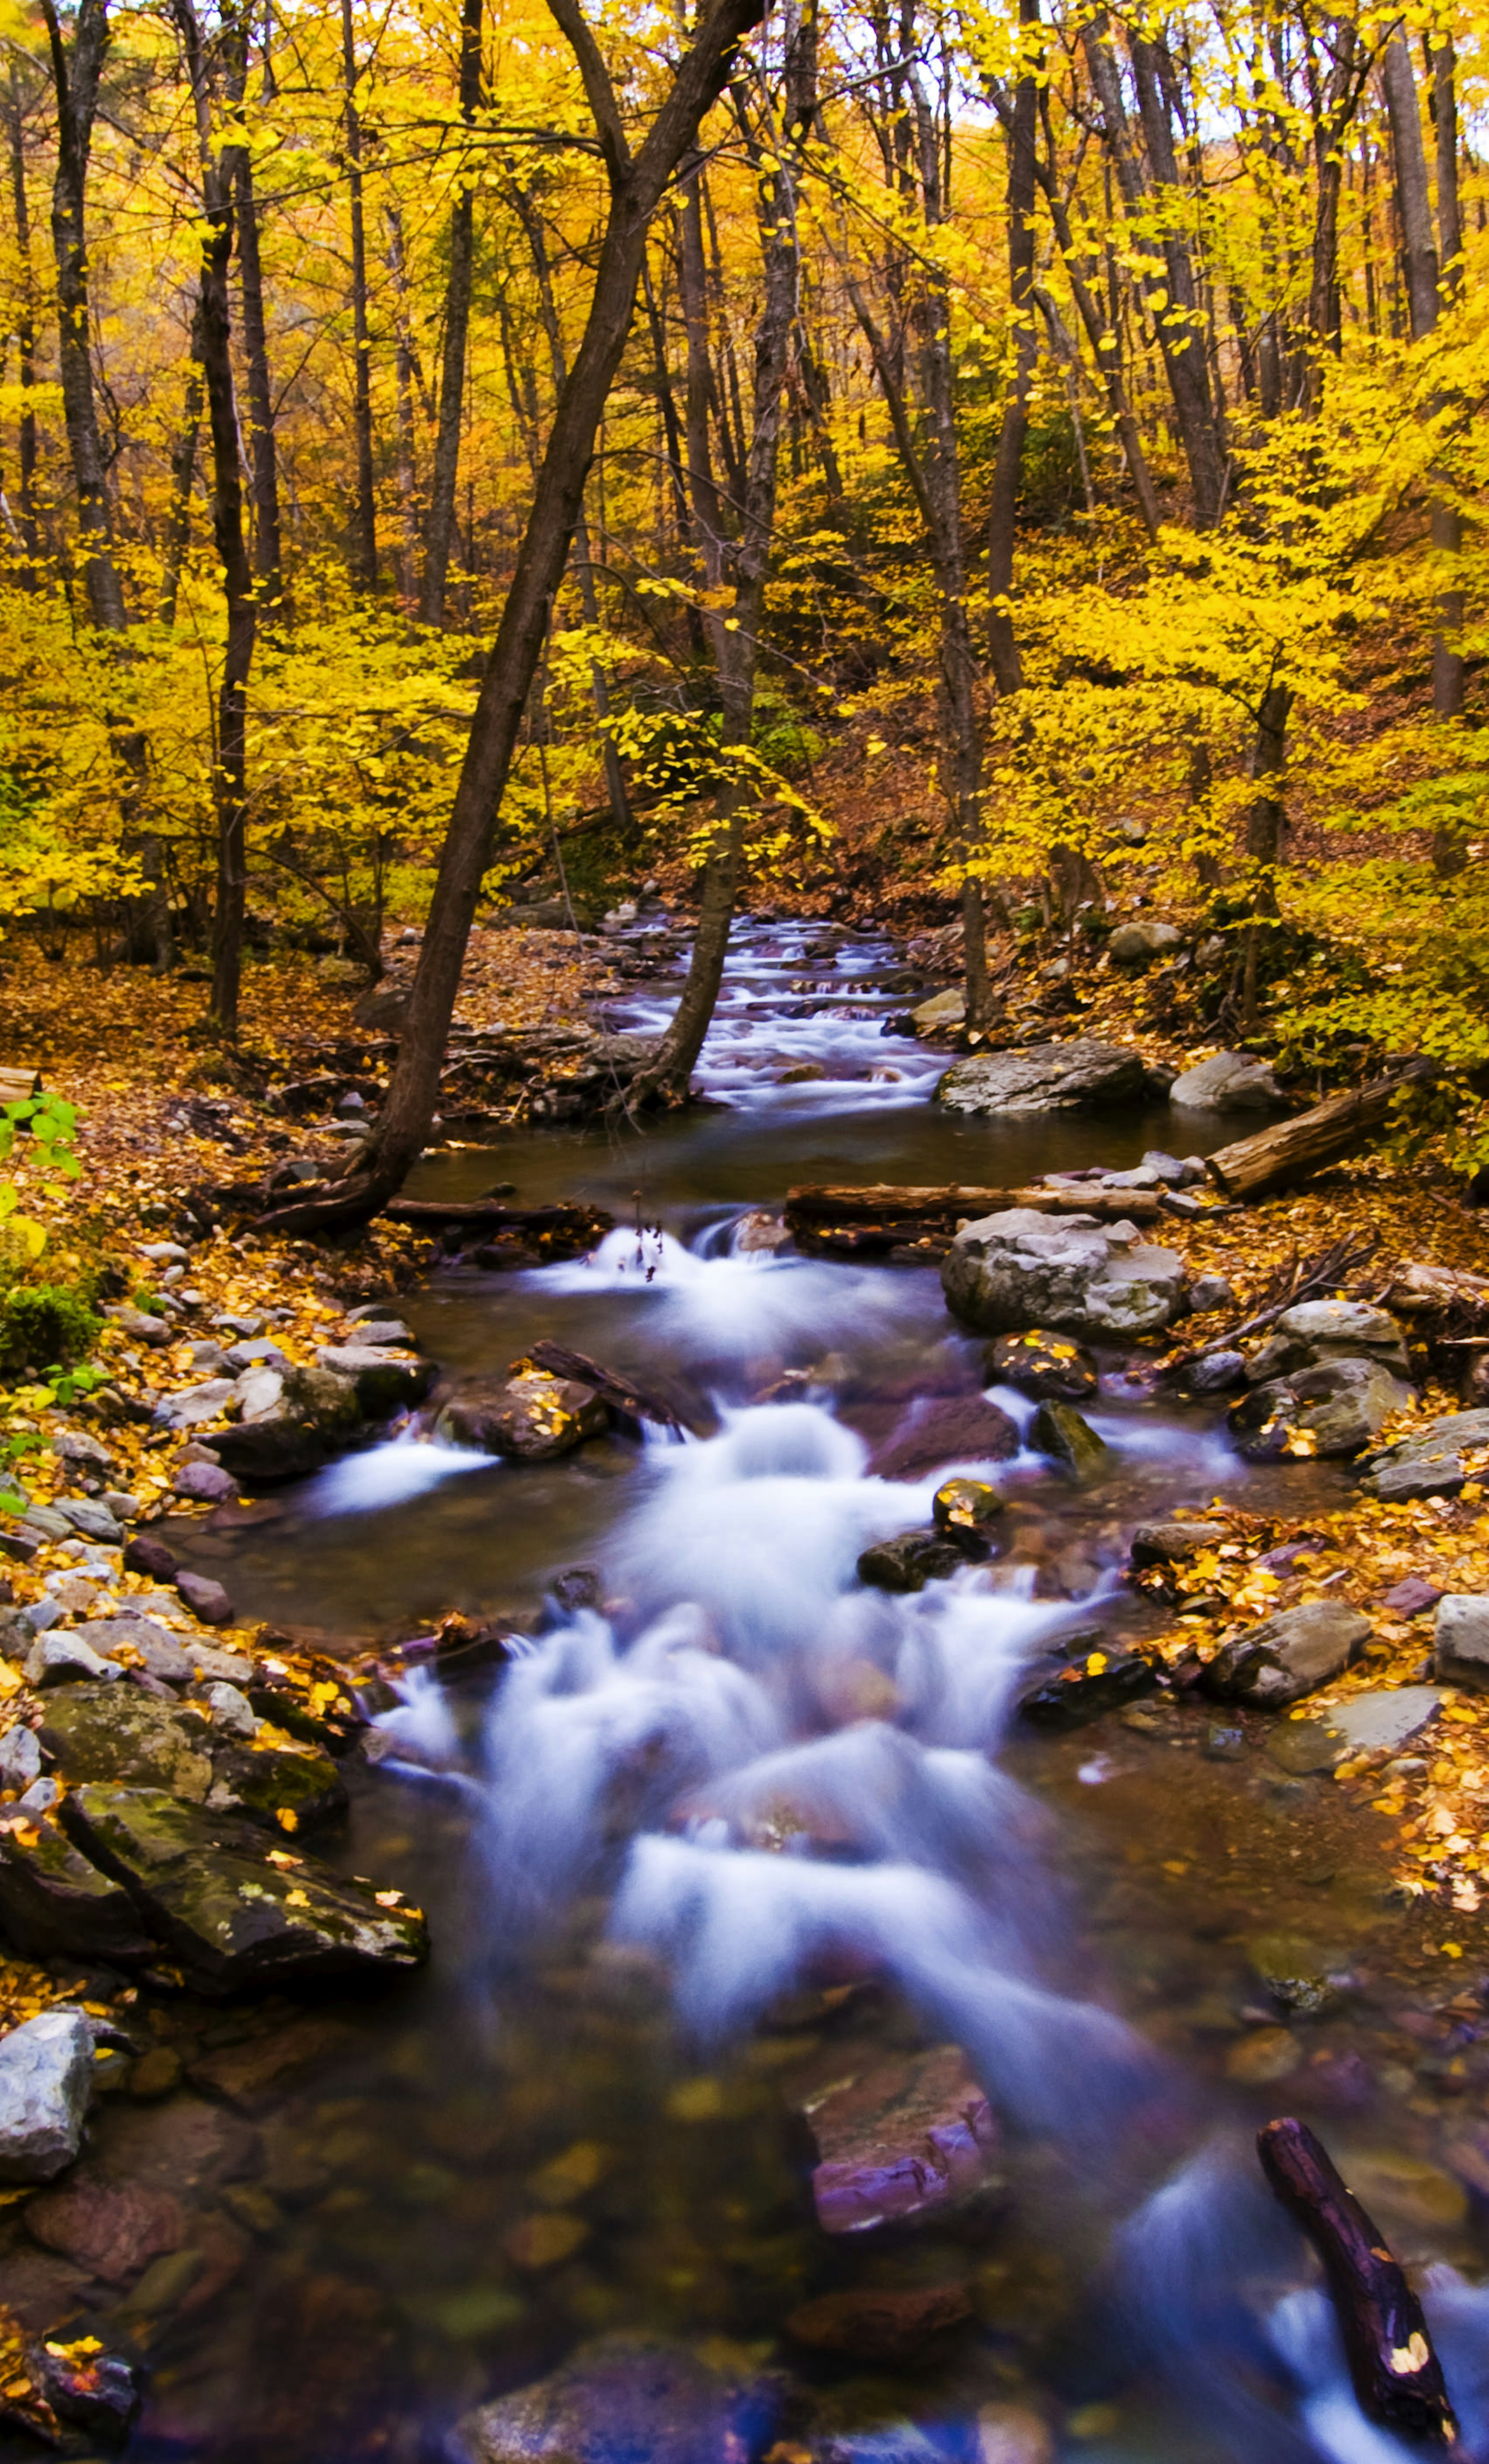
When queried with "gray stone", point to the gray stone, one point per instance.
{"points": [[245, 1326], [621, 2400], [1332, 1410], [384, 1329], [1215, 1373], [46, 1520], [206, 1483], [208, 1356], [44, 1614], [1209, 1293], [160, 1653], [1287, 1656], [231, 1712], [1168, 1543], [258, 1393], [1461, 1640], [230, 1666], [1138, 945], [1022, 1269], [66, 1660], [141, 1328], [96, 1732], [75, 1446], [205, 1598], [382, 1381], [41, 1795], [90, 1516], [1058, 1430], [1430, 1461], [122, 1503], [1386, 1717], [194, 1405], [20, 1758], [46, 2081], [1319, 1331], [164, 1253], [264, 1353], [943, 1010], [1045, 1078], [1230, 1082]]}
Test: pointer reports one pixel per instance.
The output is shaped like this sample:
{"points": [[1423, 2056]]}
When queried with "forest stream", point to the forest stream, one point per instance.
{"points": [[730, 1833]]}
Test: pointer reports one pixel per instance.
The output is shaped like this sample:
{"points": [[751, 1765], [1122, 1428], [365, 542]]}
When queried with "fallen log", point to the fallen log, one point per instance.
{"points": [[858, 1222], [1397, 2377], [624, 1395], [493, 1214], [1291, 1150]]}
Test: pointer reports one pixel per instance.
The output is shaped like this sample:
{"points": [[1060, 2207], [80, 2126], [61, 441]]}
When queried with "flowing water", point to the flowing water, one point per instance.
{"points": [[742, 1827]]}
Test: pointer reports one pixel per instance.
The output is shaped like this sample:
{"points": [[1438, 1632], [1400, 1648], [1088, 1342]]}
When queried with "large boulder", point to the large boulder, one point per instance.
{"points": [[292, 1431], [284, 1787], [237, 1914], [120, 1732], [1137, 945], [1433, 1462], [621, 2400], [46, 2081], [900, 2141], [1021, 1269], [384, 1382], [1287, 1656], [1045, 1078], [54, 1901], [1228, 1081], [1335, 1409], [533, 1416], [947, 1428]]}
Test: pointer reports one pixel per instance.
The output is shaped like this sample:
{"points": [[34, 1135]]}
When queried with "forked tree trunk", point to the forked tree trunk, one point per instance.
{"points": [[439, 534], [75, 75], [636, 183]]}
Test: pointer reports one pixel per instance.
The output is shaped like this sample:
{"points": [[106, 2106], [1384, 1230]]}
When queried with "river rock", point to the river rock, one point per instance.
{"points": [[90, 1516], [383, 1384], [191, 1407], [66, 1660], [1041, 1363], [144, 1554], [1332, 1410], [1318, 1330], [140, 1326], [1461, 1654], [881, 2324], [1100, 1682], [1046, 1078], [1430, 1461], [1385, 1718], [1138, 944], [1168, 1543], [236, 1914], [20, 1757], [288, 1788], [1021, 1269], [161, 1655], [967, 1510], [948, 1428], [205, 1484], [1058, 1430], [315, 1411], [1228, 1081], [534, 1416], [54, 1901], [910, 1561], [120, 1732], [1215, 1373], [1287, 1656], [99, 2391], [205, 1597], [46, 2081], [109, 2229], [621, 2400], [902, 2142], [938, 1014]]}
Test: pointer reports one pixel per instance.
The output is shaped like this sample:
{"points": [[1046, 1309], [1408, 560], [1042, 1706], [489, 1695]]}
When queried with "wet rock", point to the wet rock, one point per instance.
{"points": [[1021, 1269], [967, 1511], [157, 2073], [123, 1733], [881, 2325], [1060, 1431], [534, 1416], [315, 1411], [1385, 1718], [1303, 1747], [1223, 1744], [910, 1561], [46, 2081], [1287, 1656], [109, 2229], [1461, 1641], [805, 1073], [1332, 1410], [99, 2391], [1041, 1363], [1229, 1082], [53, 1900], [1430, 1463], [144, 1554], [1264, 2056], [760, 1230], [1046, 1078], [1100, 1682], [1215, 1373], [1305, 1979], [948, 1428], [66, 1660], [620, 2400], [253, 2076], [237, 1914], [1170, 1543], [205, 1598], [206, 1483], [382, 1385], [1137, 945], [289, 1787], [905, 2141]]}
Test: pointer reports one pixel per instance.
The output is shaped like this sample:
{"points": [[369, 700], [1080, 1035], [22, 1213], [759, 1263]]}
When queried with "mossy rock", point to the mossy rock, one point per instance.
{"points": [[287, 1788], [120, 1732], [1053, 1368], [52, 1901]]}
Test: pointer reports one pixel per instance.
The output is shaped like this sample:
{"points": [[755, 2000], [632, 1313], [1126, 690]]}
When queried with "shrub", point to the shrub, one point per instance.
{"points": [[45, 1323]]}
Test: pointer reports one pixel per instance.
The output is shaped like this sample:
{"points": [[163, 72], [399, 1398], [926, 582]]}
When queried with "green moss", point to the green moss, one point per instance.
{"points": [[45, 1323]]}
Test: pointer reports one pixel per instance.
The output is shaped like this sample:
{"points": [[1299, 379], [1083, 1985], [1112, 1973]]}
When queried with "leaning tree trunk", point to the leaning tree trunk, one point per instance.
{"points": [[636, 184], [76, 77], [440, 533]]}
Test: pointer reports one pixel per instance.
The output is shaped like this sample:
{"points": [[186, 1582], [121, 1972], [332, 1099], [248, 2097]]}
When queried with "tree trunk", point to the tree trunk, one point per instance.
{"points": [[708, 513], [219, 184], [1022, 126], [440, 530], [404, 373], [182, 465], [1419, 247], [25, 341], [1267, 818], [636, 183], [262, 443], [1449, 667], [365, 517], [75, 78]]}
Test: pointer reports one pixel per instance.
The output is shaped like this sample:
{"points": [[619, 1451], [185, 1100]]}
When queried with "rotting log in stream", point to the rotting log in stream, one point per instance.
{"points": [[502, 1236], [1397, 2376], [875, 1221], [624, 1395]]}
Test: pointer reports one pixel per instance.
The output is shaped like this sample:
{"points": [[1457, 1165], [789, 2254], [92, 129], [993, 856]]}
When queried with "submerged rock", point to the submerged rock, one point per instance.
{"points": [[1023, 1270], [1045, 1078], [910, 1561], [1287, 1656], [1332, 1410], [1100, 1682], [1043, 1364], [1060, 1431], [46, 2081], [236, 1913], [882, 2323], [902, 2142], [950, 1428], [98, 2390], [621, 2400], [534, 1416]]}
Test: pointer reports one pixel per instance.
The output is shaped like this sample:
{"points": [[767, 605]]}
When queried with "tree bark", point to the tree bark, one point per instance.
{"points": [[75, 76], [30, 576], [1419, 247], [219, 185], [182, 465], [440, 530], [262, 443], [636, 183], [404, 376], [364, 517], [1449, 666], [1008, 465]]}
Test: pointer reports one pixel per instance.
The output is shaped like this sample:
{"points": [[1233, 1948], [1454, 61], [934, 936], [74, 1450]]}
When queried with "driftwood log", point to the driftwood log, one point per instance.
{"points": [[866, 1223], [624, 1395], [1291, 1150], [516, 1236], [1397, 2376]]}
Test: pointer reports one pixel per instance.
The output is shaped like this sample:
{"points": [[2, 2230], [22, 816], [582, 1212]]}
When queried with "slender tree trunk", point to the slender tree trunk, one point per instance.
{"points": [[75, 75], [262, 443], [1449, 667], [1008, 467], [439, 535], [25, 341], [707, 511], [403, 378], [636, 184], [182, 465], [365, 519], [1267, 818]]}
